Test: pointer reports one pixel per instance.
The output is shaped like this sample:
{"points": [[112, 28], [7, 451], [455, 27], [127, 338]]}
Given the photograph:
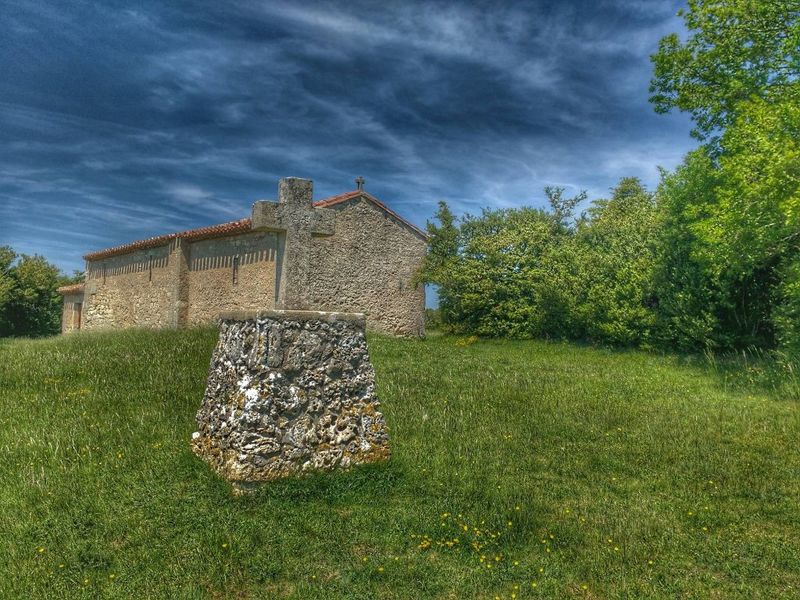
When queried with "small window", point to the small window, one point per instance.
{"points": [[235, 270]]}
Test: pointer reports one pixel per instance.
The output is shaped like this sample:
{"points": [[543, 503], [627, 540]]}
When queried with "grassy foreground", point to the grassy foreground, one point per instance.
{"points": [[520, 470]]}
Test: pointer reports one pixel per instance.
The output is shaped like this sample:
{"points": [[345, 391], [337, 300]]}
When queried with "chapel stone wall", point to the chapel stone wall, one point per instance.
{"points": [[234, 273], [368, 267], [130, 290]]}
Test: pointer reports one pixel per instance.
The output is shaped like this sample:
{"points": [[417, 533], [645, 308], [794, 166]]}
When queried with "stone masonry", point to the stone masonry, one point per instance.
{"points": [[289, 392], [348, 253], [296, 216]]}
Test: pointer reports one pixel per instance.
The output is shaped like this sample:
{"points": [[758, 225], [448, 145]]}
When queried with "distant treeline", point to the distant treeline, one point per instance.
{"points": [[709, 260]]}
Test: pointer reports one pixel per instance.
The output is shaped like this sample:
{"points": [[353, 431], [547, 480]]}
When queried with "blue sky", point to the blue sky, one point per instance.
{"points": [[118, 123]]}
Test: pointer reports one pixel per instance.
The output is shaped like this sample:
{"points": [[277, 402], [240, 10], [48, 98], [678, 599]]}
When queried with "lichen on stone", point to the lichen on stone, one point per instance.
{"points": [[289, 393]]}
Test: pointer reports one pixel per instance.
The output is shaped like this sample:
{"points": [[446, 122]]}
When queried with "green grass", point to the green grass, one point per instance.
{"points": [[601, 474]]}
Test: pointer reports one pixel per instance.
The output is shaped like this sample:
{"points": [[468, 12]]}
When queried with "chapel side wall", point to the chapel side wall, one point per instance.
{"points": [[130, 290], [69, 315], [368, 266], [211, 287]]}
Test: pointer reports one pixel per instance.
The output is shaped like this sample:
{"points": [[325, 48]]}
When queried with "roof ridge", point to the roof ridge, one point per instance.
{"points": [[333, 200], [198, 233], [337, 198]]}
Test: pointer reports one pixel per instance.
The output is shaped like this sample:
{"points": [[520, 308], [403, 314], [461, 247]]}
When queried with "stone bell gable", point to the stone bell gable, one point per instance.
{"points": [[346, 253]]}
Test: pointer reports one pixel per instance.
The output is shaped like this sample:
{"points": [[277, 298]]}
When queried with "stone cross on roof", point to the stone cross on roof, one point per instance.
{"points": [[294, 215], [359, 183]]}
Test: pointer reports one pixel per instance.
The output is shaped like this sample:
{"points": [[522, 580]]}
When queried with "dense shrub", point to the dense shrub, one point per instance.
{"points": [[530, 272], [709, 262]]}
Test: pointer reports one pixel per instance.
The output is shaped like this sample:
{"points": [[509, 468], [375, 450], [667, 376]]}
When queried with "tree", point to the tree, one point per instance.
{"points": [[7, 258], [737, 50], [617, 243], [688, 297], [438, 263], [442, 245], [729, 241], [754, 228], [562, 208], [29, 303], [529, 272], [729, 253]]}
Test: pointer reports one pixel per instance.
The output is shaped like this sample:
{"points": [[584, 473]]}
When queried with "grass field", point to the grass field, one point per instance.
{"points": [[519, 469]]}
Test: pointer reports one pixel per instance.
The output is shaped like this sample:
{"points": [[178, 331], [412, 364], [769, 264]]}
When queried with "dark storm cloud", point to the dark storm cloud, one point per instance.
{"points": [[120, 123]]}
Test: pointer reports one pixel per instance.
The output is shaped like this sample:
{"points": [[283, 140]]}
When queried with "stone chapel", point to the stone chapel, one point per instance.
{"points": [[346, 253]]}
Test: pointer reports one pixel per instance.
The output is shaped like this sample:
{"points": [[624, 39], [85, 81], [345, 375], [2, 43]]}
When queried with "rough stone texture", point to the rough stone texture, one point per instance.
{"points": [[211, 289], [294, 214], [289, 392], [369, 267], [129, 290], [181, 283], [353, 256]]}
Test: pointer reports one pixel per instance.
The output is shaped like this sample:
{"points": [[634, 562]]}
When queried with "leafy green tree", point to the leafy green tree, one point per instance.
{"points": [[533, 273], [438, 264], [757, 216], [443, 243], [737, 50], [754, 229], [29, 303], [561, 208], [786, 314], [495, 282], [497, 273], [687, 296], [728, 249], [730, 236], [618, 250], [7, 258]]}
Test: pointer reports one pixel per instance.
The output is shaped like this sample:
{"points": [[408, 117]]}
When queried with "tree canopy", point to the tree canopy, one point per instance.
{"points": [[29, 303], [736, 51]]}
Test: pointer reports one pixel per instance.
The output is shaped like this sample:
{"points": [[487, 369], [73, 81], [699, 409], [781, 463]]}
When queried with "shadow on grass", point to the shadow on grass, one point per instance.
{"points": [[370, 483]]}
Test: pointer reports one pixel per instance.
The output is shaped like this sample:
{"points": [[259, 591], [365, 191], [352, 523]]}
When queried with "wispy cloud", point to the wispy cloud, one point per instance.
{"points": [[130, 123]]}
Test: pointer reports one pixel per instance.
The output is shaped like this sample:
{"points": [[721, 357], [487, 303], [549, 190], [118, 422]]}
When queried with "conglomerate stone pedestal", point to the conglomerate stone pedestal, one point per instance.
{"points": [[289, 392]]}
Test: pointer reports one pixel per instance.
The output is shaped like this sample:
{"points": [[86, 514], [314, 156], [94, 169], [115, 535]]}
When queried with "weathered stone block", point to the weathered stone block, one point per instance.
{"points": [[289, 392]]}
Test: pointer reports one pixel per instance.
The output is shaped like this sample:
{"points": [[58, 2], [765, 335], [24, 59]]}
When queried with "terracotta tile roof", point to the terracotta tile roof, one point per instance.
{"points": [[240, 226], [200, 233], [75, 288]]}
